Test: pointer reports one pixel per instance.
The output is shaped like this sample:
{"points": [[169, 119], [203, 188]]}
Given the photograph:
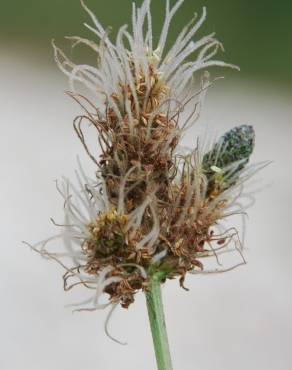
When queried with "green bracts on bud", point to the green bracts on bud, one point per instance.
{"points": [[228, 157]]}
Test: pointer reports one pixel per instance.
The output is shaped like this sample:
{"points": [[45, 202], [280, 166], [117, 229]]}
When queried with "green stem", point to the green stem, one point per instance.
{"points": [[157, 323]]}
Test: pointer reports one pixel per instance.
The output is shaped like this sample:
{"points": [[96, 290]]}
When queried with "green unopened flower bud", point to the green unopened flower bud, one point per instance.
{"points": [[228, 157]]}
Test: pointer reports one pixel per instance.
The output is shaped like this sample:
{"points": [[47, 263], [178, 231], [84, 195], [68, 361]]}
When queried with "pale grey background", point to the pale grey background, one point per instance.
{"points": [[240, 320]]}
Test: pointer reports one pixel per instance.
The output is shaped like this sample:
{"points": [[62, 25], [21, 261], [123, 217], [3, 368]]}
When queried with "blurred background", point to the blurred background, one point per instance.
{"points": [[256, 34], [240, 320]]}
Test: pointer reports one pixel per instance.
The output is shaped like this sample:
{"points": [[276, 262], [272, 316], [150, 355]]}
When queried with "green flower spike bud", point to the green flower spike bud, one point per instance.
{"points": [[222, 165]]}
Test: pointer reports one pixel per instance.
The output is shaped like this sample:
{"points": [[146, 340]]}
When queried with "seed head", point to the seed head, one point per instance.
{"points": [[149, 207]]}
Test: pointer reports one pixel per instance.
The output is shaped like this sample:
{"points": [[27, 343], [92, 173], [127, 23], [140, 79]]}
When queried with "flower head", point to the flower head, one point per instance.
{"points": [[149, 208]]}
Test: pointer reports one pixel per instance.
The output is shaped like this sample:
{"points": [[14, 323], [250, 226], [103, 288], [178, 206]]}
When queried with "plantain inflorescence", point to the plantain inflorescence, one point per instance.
{"points": [[150, 207]]}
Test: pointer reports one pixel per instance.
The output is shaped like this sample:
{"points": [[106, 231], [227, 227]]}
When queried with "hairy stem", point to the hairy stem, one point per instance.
{"points": [[157, 323]]}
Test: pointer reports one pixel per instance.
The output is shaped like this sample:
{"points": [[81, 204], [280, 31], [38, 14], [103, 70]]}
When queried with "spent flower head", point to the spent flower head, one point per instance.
{"points": [[149, 207]]}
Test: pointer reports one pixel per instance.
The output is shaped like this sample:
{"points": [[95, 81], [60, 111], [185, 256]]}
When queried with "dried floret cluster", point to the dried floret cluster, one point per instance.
{"points": [[151, 206]]}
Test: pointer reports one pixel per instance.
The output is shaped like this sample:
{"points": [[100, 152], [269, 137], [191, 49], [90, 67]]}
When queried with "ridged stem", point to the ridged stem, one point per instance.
{"points": [[157, 323]]}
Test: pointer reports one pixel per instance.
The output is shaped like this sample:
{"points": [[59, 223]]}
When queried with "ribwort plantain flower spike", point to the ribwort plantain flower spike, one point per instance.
{"points": [[150, 212]]}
